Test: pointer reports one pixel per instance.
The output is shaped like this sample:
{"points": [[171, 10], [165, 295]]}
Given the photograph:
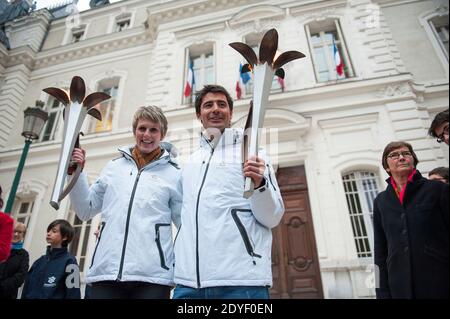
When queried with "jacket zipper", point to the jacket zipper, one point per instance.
{"points": [[127, 225], [243, 232], [98, 242], [158, 244], [196, 218], [270, 177], [130, 206]]}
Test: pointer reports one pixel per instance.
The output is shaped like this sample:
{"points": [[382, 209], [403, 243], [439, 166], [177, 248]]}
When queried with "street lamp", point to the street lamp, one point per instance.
{"points": [[33, 123]]}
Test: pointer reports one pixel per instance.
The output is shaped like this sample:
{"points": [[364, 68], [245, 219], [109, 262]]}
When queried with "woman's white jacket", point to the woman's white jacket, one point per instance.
{"points": [[137, 208]]}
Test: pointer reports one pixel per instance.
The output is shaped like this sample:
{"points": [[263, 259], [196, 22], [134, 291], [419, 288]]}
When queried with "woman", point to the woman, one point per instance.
{"points": [[14, 270], [411, 230], [138, 195]]}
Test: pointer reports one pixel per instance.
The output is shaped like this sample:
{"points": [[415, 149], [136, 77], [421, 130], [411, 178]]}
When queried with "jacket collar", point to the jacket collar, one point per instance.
{"points": [[415, 177], [163, 159], [412, 186], [230, 136], [55, 252]]}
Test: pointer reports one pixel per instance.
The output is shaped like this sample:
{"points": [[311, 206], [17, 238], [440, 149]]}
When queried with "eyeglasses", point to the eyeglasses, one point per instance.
{"points": [[441, 137], [396, 155]]}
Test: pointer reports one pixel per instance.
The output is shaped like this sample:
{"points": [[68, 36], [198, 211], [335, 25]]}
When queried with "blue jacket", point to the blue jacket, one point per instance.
{"points": [[53, 276]]}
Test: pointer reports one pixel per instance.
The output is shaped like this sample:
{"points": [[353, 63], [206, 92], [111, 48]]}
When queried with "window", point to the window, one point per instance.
{"points": [[202, 59], [122, 25], [77, 36], [78, 33], [54, 109], [361, 188], [78, 246], [23, 210], [107, 108], [323, 38], [123, 21], [439, 25], [254, 40]]}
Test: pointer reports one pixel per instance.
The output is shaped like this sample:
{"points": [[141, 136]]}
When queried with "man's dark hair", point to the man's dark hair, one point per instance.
{"points": [[392, 146], [65, 229], [199, 95], [441, 171], [439, 119]]}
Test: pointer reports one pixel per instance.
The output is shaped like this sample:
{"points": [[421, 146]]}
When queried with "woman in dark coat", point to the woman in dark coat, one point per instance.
{"points": [[411, 230], [14, 270]]}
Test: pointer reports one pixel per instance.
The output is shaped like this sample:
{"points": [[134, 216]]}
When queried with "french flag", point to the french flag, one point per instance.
{"points": [[190, 81], [338, 60]]}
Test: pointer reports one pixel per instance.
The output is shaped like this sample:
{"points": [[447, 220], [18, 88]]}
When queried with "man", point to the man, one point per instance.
{"points": [[439, 127], [14, 270], [439, 174], [223, 249]]}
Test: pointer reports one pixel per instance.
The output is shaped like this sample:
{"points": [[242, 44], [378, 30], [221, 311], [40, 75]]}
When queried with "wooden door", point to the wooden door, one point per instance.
{"points": [[295, 263]]}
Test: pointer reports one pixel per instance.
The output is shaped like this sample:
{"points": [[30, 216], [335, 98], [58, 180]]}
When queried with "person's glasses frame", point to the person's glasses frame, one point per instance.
{"points": [[441, 137], [396, 155]]}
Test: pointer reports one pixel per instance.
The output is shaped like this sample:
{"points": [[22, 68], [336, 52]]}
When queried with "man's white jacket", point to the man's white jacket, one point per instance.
{"points": [[225, 239], [137, 207]]}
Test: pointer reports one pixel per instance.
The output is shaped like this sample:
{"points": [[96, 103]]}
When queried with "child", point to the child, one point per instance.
{"points": [[56, 274]]}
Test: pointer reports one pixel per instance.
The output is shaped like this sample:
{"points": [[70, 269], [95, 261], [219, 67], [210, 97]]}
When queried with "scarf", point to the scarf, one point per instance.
{"points": [[401, 193], [144, 159], [17, 246]]}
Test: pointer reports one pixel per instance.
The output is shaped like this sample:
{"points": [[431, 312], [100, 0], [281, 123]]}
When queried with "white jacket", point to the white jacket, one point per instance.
{"points": [[225, 239], [137, 207]]}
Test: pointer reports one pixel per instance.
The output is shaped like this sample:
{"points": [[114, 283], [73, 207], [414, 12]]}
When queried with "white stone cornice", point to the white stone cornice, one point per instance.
{"points": [[176, 11], [22, 55], [304, 7], [255, 13], [392, 3], [92, 47], [210, 28], [107, 57], [352, 94]]}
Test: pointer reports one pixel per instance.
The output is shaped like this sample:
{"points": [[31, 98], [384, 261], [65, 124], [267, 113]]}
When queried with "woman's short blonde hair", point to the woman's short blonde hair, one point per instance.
{"points": [[151, 113]]}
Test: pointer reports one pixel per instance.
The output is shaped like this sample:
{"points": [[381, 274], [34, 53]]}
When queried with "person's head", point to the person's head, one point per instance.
{"points": [[19, 232], [149, 128], [59, 233], [399, 158], [214, 107], [439, 174], [439, 127]]}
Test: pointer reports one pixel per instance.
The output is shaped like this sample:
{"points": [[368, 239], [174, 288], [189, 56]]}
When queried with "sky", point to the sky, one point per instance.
{"points": [[82, 4]]}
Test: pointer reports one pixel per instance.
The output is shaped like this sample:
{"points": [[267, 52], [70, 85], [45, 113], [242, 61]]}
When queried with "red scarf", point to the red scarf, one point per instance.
{"points": [[401, 193]]}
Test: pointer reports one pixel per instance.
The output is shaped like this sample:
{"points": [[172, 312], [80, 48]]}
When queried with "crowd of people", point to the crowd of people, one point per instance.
{"points": [[223, 241]]}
